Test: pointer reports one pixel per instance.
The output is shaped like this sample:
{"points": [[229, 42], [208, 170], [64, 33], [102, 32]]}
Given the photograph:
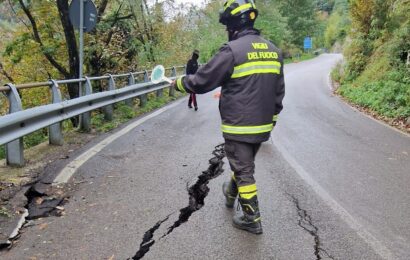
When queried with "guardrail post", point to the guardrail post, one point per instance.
{"points": [[55, 135], [171, 88], [109, 110], [131, 81], [14, 149], [144, 98], [85, 123], [160, 93]]}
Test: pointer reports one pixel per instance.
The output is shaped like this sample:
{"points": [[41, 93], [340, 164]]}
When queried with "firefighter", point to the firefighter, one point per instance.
{"points": [[250, 70], [191, 68]]}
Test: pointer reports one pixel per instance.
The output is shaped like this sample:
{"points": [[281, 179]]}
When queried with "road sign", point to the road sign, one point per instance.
{"points": [[307, 43], [158, 75], [90, 14]]}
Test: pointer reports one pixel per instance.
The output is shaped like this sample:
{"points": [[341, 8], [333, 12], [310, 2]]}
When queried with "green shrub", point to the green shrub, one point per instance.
{"points": [[337, 73], [389, 97], [2, 151]]}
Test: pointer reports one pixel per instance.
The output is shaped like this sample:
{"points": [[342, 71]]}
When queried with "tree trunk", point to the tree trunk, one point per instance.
{"points": [[73, 58]]}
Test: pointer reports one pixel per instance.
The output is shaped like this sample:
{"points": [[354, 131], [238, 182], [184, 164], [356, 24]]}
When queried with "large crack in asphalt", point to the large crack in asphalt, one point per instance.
{"points": [[305, 222], [197, 194], [147, 240]]}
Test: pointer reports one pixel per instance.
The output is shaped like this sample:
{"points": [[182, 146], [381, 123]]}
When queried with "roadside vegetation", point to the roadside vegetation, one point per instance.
{"points": [[376, 72]]}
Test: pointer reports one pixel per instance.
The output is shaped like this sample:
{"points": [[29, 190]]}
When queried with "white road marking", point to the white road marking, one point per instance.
{"points": [[20, 223], [69, 170], [375, 244]]}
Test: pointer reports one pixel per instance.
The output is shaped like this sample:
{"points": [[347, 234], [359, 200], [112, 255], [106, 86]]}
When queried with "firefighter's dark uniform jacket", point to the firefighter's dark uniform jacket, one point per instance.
{"points": [[250, 71]]}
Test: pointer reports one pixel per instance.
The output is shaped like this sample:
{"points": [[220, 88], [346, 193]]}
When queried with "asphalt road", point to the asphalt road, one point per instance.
{"points": [[333, 184]]}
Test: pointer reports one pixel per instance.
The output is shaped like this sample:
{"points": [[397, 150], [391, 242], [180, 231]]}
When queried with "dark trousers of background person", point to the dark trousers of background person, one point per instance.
{"points": [[192, 98]]}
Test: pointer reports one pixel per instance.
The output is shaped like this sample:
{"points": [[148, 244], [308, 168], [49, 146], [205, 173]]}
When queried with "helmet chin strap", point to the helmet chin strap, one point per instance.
{"points": [[232, 34]]}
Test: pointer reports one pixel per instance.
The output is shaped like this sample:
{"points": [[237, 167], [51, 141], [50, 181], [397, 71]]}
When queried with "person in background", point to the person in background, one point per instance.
{"points": [[191, 68]]}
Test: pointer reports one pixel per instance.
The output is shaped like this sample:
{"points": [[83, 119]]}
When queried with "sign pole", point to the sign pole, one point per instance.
{"points": [[81, 54]]}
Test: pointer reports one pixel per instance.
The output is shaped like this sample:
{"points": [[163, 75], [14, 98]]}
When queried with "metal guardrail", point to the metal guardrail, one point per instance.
{"points": [[18, 123]]}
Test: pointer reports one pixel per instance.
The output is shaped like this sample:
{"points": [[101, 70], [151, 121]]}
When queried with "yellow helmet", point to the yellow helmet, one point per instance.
{"points": [[237, 14]]}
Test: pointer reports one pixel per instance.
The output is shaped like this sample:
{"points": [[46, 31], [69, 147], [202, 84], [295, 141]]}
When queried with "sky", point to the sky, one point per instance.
{"points": [[195, 2], [180, 6]]}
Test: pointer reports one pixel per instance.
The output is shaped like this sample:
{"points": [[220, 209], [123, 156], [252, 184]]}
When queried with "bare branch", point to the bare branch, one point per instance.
{"points": [[101, 9], [15, 13], [4, 72], [37, 38]]}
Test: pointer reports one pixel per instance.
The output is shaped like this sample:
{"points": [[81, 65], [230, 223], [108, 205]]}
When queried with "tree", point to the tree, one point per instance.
{"points": [[301, 17]]}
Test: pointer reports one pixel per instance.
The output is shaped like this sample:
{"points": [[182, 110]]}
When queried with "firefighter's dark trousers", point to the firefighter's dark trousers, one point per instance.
{"points": [[241, 157]]}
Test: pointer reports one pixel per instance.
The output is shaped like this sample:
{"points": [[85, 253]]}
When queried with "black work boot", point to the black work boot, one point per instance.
{"points": [[230, 190], [251, 218]]}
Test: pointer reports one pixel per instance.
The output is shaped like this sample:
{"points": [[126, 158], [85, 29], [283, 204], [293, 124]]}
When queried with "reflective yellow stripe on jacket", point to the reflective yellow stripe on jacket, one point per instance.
{"points": [[246, 130], [256, 67], [180, 86]]}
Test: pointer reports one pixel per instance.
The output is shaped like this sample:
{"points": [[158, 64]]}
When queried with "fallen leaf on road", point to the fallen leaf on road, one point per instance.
{"points": [[39, 200], [42, 226], [111, 258], [60, 208]]}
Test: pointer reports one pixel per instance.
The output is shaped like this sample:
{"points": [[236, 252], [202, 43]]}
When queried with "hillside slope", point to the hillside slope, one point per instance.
{"points": [[376, 74]]}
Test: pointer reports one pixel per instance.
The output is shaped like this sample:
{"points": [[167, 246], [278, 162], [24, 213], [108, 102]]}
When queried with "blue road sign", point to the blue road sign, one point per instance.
{"points": [[90, 14], [307, 43]]}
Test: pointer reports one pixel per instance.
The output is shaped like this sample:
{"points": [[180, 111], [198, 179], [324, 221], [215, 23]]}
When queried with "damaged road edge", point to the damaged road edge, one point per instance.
{"points": [[16, 231], [41, 200]]}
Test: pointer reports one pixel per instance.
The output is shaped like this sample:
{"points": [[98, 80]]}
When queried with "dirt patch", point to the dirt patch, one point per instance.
{"points": [[37, 158], [22, 194]]}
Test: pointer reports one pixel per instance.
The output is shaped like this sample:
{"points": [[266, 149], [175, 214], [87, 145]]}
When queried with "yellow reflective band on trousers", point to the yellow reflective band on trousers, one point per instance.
{"points": [[256, 67], [240, 8], [180, 86], [248, 191], [275, 118], [247, 130]]}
